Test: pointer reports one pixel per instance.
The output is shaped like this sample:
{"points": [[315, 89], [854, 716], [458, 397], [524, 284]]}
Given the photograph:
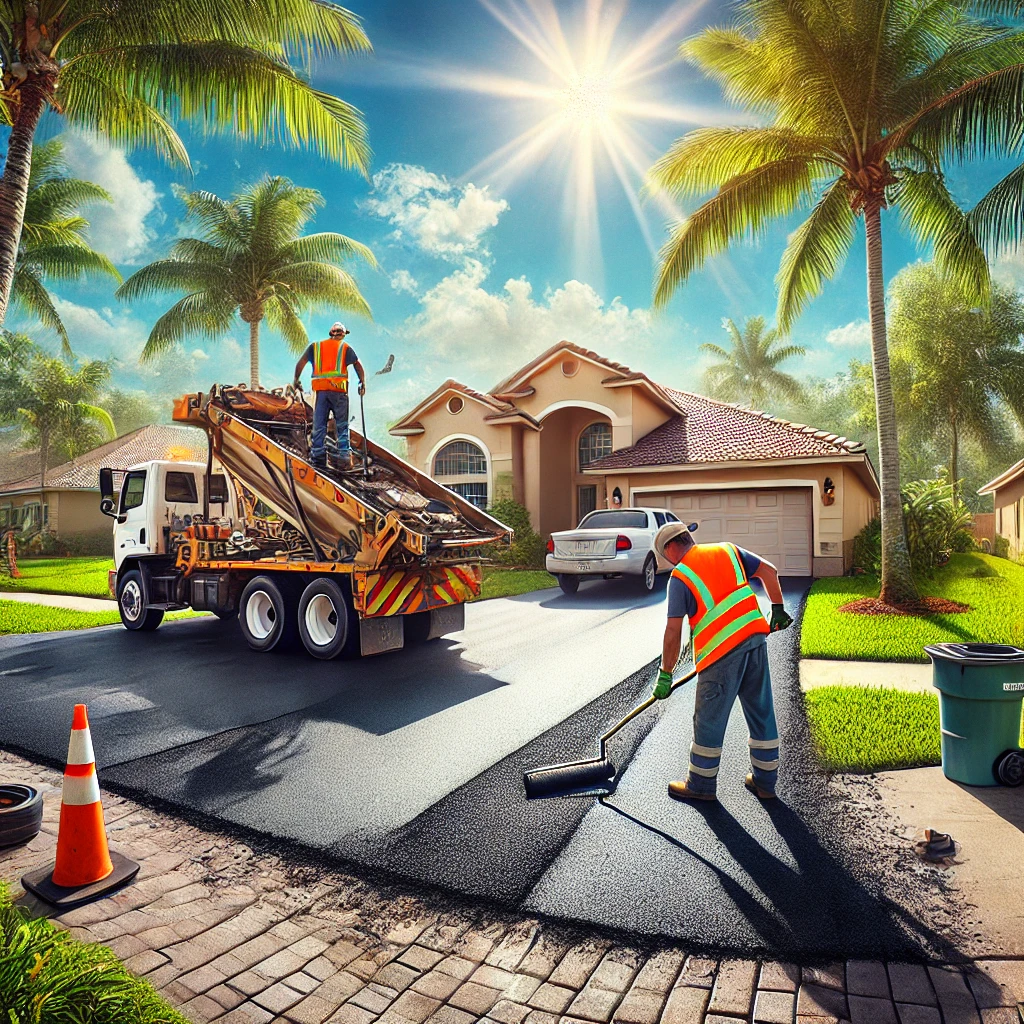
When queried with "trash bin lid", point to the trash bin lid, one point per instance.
{"points": [[976, 654]]}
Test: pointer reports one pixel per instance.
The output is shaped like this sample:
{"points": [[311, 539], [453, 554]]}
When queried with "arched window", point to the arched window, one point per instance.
{"points": [[595, 443], [462, 467]]}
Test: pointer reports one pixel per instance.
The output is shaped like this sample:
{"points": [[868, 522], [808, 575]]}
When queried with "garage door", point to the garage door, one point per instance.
{"points": [[774, 524]]}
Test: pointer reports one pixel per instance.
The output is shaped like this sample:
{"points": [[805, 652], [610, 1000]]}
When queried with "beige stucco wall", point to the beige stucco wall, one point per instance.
{"points": [[74, 516], [1009, 516]]}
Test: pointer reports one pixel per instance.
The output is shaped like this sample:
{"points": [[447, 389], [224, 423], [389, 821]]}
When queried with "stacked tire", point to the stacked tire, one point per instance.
{"points": [[21, 813]]}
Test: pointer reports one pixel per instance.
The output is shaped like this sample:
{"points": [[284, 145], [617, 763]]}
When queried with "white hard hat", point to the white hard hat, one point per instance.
{"points": [[670, 532], [338, 326]]}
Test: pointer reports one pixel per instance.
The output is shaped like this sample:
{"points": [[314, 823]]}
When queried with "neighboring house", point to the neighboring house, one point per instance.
{"points": [[572, 431], [1007, 492], [70, 505]]}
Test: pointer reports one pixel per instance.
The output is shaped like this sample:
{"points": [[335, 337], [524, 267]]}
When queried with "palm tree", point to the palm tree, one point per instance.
{"points": [[964, 362], [748, 372], [16, 352], [858, 105], [129, 68], [53, 241], [59, 398], [251, 260]]}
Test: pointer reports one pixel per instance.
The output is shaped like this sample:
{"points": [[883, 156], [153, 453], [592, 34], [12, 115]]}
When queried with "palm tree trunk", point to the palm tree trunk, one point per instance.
{"points": [[254, 354], [44, 451], [34, 95], [897, 577], [954, 458]]}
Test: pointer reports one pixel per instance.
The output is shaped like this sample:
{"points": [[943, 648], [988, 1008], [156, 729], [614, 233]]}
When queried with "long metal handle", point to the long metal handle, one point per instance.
{"points": [[362, 415], [639, 709]]}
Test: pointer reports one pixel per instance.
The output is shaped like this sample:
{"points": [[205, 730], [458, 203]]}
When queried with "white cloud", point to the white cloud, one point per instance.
{"points": [[198, 353], [856, 334], [1008, 269], [477, 335], [120, 230], [430, 212], [403, 281]]}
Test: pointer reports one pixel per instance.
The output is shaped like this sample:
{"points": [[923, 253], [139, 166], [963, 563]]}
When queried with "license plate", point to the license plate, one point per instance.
{"points": [[583, 567]]}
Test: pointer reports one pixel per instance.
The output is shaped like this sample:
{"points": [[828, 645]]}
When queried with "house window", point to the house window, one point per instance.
{"points": [[462, 467], [595, 443], [455, 405]]}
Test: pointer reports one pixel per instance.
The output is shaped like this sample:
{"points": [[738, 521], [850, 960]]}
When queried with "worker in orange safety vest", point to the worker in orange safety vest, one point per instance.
{"points": [[710, 585], [331, 359]]}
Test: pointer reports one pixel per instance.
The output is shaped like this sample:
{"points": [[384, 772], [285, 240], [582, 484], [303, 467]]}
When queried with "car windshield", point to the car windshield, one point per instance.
{"points": [[615, 521]]}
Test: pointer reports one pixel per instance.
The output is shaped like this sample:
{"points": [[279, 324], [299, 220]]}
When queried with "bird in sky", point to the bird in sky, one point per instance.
{"points": [[388, 366]]}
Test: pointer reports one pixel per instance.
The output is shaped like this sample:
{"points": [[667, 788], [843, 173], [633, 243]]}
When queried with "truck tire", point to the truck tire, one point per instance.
{"points": [[266, 614], [324, 620], [21, 813], [569, 583], [131, 604], [649, 575]]}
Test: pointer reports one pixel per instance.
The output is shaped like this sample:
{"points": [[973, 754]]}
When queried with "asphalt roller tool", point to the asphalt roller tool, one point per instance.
{"points": [[594, 776]]}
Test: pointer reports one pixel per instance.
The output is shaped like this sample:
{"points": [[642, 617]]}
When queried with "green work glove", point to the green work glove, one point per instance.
{"points": [[781, 619], [663, 687]]}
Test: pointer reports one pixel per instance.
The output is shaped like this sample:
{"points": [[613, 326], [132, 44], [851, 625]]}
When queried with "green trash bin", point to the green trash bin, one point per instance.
{"points": [[981, 687]]}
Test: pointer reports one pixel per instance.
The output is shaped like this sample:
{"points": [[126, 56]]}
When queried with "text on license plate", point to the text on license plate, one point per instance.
{"points": [[583, 567]]}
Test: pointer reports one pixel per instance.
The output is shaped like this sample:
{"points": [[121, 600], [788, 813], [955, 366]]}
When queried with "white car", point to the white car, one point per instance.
{"points": [[609, 543]]}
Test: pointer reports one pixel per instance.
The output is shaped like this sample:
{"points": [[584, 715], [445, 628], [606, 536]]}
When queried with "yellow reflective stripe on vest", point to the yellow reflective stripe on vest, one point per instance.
{"points": [[741, 576], [724, 605], [723, 634], [686, 573]]}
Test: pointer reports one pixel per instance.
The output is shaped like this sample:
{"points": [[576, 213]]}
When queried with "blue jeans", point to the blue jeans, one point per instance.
{"points": [[326, 403], [742, 673]]}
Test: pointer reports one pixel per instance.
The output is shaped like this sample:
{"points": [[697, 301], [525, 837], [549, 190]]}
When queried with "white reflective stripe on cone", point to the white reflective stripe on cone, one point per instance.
{"points": [[80, 748], [762, 744], [80, 789], [768, 766], [708, 773], [696, 748]]}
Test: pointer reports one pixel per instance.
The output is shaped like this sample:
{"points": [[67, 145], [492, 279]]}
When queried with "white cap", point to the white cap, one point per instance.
{"points": [[670, 532], [339, 326]]}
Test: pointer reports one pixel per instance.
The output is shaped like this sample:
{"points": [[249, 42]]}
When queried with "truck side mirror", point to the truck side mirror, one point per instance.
{"points": [[106, 485], [107, 507]]}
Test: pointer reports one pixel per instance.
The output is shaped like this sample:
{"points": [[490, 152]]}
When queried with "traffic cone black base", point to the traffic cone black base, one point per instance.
{"points": [[40, 883]]}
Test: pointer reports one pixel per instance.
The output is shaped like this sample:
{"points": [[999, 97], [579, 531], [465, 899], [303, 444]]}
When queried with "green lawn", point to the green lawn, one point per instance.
{"points": [[20, 617], [81, 577], [47, 976], [992, 587], [870, 729], [509, 582]]}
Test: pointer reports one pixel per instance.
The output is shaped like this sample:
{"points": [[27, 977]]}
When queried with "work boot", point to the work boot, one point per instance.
{"points": [[682, 791], [320, 463], [761, 794]]}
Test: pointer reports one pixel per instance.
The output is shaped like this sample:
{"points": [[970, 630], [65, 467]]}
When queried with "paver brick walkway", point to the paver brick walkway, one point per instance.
{"points": [[242, 937]]}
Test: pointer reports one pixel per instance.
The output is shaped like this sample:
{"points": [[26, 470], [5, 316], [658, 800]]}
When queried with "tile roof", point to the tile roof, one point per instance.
{"points": [[157, 441], [707, 431]]}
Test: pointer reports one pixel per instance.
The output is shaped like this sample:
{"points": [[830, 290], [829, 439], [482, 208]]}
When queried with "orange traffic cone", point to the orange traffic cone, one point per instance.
{"points": [[85, 868]]}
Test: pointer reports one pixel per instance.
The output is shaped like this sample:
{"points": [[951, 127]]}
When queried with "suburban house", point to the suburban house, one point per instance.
{"points": [[70, 502], [572, 431], [1007, 492]]}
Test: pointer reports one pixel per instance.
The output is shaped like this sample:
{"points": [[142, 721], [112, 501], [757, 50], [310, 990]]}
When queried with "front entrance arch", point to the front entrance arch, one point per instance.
{"points": [[572, 436]]}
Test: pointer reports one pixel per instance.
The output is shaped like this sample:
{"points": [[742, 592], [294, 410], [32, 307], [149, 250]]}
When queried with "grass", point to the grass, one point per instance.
{"points": [[992, 587], [80, 577], [871, 729], [48, 977], [509, 582], [21, 617]]}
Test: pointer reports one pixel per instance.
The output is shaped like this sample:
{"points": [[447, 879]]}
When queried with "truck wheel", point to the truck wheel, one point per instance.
{"points": [[21, 813], [266, 614], [649, 576], [569, 583], [132, 606], [323, 619]]}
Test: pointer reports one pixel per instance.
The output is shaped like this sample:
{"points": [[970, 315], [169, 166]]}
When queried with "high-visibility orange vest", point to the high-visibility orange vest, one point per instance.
{"points": [[329, 370], [727, 608]]}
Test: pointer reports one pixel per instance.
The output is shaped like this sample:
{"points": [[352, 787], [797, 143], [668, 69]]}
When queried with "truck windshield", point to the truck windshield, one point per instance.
{"points": [[615, 521], [134, 490]]}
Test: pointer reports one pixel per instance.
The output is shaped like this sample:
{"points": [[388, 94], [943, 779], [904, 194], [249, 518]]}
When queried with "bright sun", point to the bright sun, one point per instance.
{"points": [[591, 89]]}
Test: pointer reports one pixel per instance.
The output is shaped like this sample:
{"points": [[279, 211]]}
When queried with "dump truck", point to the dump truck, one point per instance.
{"points": [[347, 561]]}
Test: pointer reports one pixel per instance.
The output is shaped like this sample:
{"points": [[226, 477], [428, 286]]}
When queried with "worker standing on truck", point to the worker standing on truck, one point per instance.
{"points": [[710, 585], [331, 359]]}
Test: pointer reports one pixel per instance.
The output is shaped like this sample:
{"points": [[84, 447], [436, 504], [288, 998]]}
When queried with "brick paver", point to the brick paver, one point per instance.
{"points": [[237, 937]]}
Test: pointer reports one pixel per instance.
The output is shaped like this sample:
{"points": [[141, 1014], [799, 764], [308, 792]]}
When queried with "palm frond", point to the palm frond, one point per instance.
{"points": [[327, 247], [29, 292], [281, 316], [195, 314], [998, 219], [171, 275], [70, 262]]}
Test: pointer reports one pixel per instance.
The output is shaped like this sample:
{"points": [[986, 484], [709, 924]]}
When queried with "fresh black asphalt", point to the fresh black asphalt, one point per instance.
{"points": [[412, 763]]}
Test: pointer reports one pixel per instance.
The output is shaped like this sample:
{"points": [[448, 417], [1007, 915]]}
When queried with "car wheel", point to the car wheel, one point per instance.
{"points": [[1009, 768], [324, 620], [649, 575], [569, 584], [131, 604], [21, 813], [266, 614]]}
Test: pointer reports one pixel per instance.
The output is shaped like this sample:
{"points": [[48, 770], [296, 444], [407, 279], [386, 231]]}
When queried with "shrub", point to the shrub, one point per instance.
{"points": [[867, 548], [48, 977], [527, 548], [1001, 547]]}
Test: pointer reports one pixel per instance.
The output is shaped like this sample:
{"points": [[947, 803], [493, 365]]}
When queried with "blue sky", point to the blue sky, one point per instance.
{"points": [[484, 263]]}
